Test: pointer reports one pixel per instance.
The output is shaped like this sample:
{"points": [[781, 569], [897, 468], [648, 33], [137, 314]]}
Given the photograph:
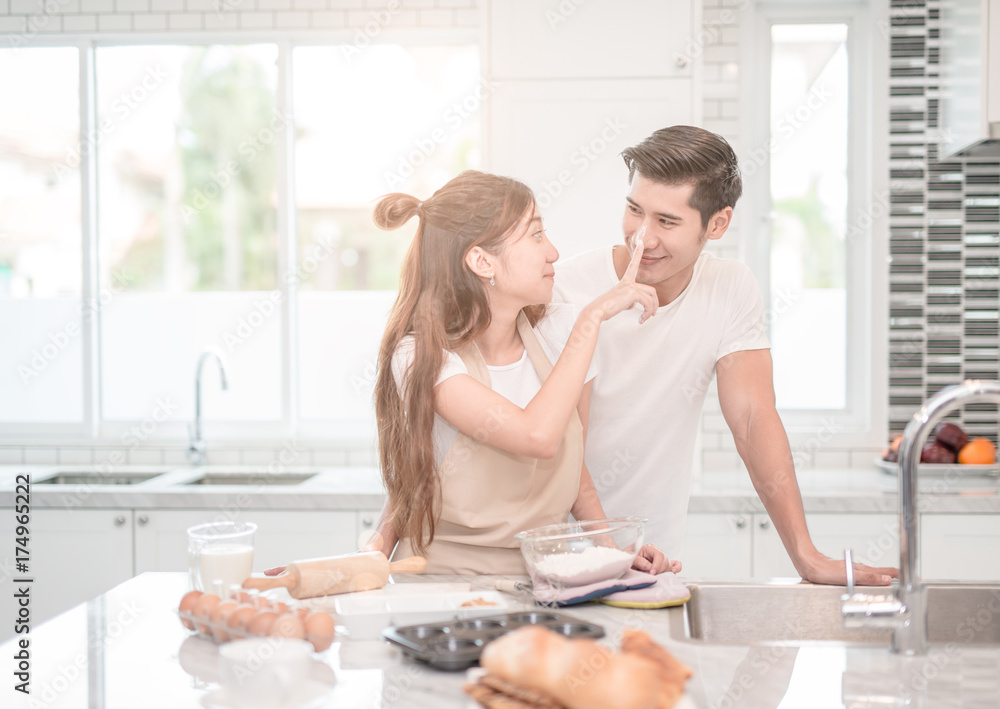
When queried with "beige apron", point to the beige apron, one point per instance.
{"points": [[488, 495]]}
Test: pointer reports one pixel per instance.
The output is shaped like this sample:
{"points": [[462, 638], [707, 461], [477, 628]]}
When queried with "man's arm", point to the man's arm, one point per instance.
{"points": [[746, 394]]}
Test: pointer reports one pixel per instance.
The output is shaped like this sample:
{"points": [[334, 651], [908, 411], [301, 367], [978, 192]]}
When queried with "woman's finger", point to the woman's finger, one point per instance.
{"points": [[633, 264]]}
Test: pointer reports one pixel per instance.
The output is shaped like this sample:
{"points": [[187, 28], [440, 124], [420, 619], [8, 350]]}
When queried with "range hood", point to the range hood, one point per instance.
{"points": [[970, 78]]}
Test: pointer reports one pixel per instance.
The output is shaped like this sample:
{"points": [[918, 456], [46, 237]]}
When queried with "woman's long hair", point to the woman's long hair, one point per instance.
{"points": [[444, 306]]}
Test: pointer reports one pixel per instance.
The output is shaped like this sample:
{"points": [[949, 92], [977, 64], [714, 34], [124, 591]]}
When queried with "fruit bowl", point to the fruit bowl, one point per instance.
{"points": [[580, 553], [942, 469]]}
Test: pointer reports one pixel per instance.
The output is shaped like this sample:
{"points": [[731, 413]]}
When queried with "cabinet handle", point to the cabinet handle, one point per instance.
{"points": [[740, 522], [143, 520], [119, 520], [681, 62], [367, 521], [764, 523]]}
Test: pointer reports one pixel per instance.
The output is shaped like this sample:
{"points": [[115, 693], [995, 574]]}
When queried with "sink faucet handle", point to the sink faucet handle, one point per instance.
{"points": [[849, 568]]}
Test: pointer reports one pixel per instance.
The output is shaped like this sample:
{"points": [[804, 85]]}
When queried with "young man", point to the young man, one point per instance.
{"points": [[645, 406]]}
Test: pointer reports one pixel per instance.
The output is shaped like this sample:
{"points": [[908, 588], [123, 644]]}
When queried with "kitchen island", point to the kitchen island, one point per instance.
{"points": [[126, 649]]}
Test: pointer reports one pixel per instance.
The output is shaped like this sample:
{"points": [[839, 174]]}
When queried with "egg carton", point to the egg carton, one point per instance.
{"points": [[220, 633], [457, 644]]}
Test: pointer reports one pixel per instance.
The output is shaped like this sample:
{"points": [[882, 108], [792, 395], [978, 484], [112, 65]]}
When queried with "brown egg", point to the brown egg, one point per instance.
{"points": [[320, 630], [187, 607], [203, 611], [239, 619], [242, 597], [288, 626], [220, 619], [279, 607], [261, 622], [302, 613]]}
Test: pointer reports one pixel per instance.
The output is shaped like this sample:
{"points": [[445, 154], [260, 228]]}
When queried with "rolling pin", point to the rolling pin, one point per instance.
{"points": [[361, 571]]}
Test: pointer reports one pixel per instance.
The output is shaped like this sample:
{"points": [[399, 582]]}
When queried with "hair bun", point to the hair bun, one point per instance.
{"points": [[395, 209]]}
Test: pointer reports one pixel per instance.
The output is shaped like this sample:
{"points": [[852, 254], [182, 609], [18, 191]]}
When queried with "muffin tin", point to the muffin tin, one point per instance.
{"points": [[457, 644]]}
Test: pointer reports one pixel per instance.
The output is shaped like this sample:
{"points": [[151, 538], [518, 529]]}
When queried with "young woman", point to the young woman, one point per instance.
{"points": [[478, 382]]}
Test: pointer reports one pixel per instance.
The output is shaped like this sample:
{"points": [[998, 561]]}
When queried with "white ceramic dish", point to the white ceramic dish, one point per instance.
{"points": [[938, 470], [364, 617]]}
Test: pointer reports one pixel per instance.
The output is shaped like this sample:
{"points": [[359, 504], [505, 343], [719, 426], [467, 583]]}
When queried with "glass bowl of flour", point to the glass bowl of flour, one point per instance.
{"points": [[581, 553]]}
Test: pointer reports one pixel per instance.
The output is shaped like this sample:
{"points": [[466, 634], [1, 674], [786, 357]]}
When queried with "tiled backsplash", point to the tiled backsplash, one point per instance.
{"points": [[25, 19], [302, 455], [944, 237]]}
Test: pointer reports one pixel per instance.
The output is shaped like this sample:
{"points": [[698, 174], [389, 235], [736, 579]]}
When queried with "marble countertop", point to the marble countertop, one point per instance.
{"points": [[127, 649], [357, 488]]}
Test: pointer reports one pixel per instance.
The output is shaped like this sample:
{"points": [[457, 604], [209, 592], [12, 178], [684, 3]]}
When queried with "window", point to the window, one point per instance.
{"points": [[813, 194], [225, 192], [187, 228], [41, 268], [354, 142]]}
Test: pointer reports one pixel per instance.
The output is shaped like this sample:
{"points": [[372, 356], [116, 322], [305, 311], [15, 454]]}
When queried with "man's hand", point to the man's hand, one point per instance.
{"points": [[825, 570], [653, 561]]}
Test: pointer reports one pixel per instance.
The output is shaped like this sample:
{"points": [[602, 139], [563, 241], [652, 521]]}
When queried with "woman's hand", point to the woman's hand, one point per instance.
{"points": [[653, 561], [627, 292]]}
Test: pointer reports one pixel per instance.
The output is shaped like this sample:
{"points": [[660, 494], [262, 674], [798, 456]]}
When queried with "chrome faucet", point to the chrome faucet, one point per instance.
{"points": [[196, 447], [906, 610]]}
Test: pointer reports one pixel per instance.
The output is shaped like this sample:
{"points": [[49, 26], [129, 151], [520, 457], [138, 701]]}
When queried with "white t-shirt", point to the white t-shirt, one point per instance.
{"points": [[646, 404], [517, 382]]}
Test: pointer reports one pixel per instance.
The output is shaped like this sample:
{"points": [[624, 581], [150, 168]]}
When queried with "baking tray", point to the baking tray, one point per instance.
{"points": [[457, 644], [940, 470]]}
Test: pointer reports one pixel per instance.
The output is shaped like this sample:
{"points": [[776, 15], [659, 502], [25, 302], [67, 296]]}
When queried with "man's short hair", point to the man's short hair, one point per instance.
{"points": [[682, 155]]}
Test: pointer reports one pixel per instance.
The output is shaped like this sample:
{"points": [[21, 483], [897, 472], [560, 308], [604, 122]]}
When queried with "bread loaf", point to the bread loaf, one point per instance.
{"points": [[582, 674]]}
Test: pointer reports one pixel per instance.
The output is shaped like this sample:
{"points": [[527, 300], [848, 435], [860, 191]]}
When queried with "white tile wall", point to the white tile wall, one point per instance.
{"points": [[114, 16], [718, 44]]}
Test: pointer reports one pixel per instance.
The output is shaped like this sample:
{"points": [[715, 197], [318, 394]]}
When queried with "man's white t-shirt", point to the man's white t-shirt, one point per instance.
{"points": [[646, 404], [517, 382]]}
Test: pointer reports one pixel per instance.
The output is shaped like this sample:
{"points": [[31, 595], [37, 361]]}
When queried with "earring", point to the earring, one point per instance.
{"points": [[493, 281]]}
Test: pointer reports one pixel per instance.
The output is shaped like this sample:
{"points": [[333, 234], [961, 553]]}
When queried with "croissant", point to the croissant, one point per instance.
{"points": [[581, 674]]}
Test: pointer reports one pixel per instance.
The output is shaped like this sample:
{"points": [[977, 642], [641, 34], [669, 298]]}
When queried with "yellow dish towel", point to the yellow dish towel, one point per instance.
{"points": [[666, 592]]}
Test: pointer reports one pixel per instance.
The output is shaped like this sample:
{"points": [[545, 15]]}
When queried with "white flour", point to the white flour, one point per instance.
{"points": [[591, 565]]}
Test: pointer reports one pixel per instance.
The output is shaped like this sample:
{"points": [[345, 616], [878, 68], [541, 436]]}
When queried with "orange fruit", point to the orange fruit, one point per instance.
{"points": [[894, 446], [978, 451]]}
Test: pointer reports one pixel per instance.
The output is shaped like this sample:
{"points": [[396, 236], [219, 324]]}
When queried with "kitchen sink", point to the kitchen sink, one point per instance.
{"points": [[798, 614], [100, 477], [253, 477]]}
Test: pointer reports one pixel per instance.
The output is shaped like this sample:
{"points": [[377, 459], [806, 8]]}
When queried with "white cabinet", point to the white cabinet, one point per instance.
{"points": [[282, 536], [873, 539], [718, 546], [74, 555], [572, 84], [727, 546], [367, 519], [563, 138], [960, 547], [573, 39]]}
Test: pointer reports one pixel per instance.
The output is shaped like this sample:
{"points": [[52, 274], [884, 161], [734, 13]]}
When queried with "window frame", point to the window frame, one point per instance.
{"points": [[93, 429], [863, 422]]}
